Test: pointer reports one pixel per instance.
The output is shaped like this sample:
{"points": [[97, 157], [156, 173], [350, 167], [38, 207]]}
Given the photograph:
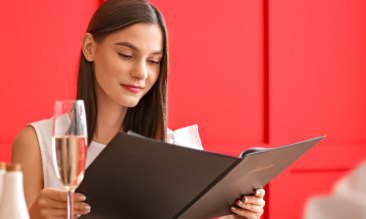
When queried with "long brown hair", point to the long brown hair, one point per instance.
{"points": [[149, 116]]}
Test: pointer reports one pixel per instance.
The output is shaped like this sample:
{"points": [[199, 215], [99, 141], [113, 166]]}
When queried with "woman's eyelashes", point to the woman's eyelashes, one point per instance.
{"points": [[125, 56], [154, 62], [128, 57]]}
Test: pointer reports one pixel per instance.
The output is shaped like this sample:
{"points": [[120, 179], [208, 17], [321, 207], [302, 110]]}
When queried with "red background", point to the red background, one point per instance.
{"points": [[249, 73]]}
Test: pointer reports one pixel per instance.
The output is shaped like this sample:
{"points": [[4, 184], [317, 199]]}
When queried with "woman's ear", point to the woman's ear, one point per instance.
{"points": [[88, 46]]}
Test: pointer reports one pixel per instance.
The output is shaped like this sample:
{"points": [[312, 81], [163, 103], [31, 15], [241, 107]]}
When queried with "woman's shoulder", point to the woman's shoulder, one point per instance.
{"points": [[186, 137], [26, 135], [28, 139], [25, 149]]}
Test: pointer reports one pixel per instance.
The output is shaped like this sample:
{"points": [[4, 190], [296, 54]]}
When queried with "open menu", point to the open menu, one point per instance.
{"points": [[140, 178]]}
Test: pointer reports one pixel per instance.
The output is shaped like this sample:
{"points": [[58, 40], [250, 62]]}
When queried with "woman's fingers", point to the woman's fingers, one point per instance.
{"points": [[60, 212], [79, 197], [54, 202], [81, 212], [45, 213], [260, 193], [250, 207], [58, 217], [54, 194], [64, 217], [78, 206], [253, 200], [58, 195], [82, 207], [50, 203], [246, 213]]}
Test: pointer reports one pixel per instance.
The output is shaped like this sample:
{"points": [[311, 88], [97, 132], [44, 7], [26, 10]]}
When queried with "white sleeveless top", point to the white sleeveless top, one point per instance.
{"points": [[187, 137]]}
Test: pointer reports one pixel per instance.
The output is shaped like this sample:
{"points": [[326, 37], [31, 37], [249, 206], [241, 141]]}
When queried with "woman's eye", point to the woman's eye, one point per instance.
{"points": [[154, 62], [125, 56]]}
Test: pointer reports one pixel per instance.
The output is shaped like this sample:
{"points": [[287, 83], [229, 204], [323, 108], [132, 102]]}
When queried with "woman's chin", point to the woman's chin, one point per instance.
{"points": [[129, 103]]}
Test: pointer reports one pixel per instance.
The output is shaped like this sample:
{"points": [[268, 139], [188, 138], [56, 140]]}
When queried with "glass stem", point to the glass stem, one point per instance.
{"points": [[70, 205]]}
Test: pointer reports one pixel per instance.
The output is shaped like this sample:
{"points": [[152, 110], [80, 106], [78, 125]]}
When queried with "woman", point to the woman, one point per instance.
{"points": [[123, 80]]}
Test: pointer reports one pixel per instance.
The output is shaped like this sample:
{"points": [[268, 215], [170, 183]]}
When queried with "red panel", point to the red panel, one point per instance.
{"points": [[288, 199], [5, 151], [41, 41], [317, 70], [317, 53], [216, 76]]}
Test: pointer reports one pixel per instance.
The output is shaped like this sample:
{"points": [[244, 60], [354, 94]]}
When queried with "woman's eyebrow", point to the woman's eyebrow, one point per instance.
{"points": [[130, 45], [133, 47], [158, 53]]}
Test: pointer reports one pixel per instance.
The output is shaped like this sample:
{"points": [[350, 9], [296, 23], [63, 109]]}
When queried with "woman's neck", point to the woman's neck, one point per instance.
{"points": [[109, 120]]}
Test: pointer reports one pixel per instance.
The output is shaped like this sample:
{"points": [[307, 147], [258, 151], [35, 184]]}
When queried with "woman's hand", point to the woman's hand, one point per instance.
{"points": [[251, 207], [52, 204]]}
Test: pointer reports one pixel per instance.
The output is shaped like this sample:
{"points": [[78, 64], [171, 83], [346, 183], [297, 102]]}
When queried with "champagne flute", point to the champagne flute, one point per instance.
{"points": [[70, 140]]}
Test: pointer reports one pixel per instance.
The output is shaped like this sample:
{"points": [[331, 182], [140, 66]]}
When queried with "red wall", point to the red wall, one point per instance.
{"points": [[249, 73], [317, 75], [40, 45]]}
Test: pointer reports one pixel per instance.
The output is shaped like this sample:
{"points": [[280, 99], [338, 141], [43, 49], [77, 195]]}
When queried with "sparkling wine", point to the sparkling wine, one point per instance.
{"points": [[69, 143], [70, 156]]}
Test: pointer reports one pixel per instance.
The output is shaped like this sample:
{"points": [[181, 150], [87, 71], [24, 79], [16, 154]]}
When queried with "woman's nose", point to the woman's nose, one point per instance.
{"points": [[139, 71]]}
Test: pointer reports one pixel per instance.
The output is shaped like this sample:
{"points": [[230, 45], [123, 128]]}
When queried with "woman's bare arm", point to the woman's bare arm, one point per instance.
{"points": [[43, 203], [26, 151]]}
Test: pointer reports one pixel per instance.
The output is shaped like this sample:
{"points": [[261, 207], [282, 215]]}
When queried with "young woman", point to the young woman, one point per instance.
{"points": [[123, 80]]}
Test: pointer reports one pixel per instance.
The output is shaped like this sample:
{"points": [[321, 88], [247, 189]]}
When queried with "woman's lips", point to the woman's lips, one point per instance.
{"points": [[132, 88]]}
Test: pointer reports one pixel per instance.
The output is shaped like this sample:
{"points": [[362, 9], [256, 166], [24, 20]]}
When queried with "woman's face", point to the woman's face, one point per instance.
{"points": [[126, 62]]}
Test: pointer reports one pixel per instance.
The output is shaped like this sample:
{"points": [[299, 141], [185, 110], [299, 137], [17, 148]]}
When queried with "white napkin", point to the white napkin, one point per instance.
{"points": [[186, 137]]}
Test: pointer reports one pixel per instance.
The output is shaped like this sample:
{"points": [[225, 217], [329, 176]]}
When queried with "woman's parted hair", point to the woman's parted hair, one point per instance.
{"points": [[149, 116]]}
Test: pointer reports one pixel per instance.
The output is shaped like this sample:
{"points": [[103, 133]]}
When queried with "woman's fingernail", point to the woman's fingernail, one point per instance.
{"points": [[78, 215], [82, 198], [87, 207], [246, 199], [87, 210], [258, 192], [240, 202], [233, 208]]}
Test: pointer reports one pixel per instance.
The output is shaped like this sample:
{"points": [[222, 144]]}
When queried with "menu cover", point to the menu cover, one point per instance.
{"points": [[140, 178]]}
